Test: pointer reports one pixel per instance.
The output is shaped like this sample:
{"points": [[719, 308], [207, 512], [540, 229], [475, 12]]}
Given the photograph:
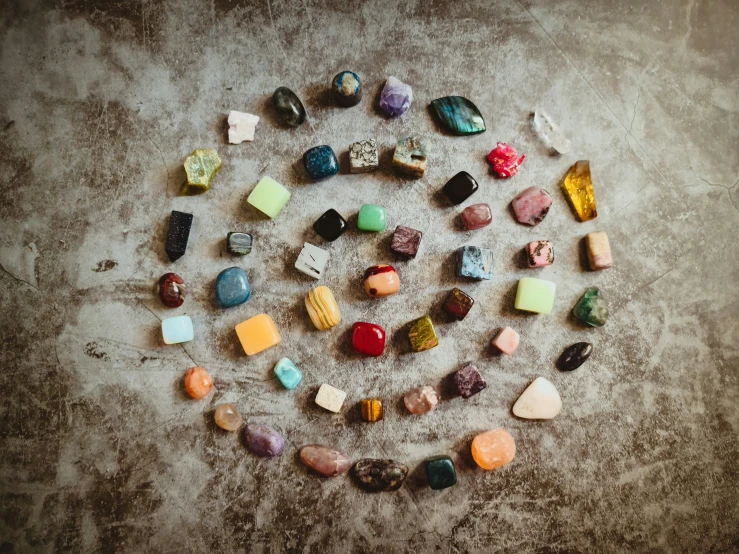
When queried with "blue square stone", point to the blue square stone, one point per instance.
{"points": [[177, 329], [232, 287], [320, 162], [474, 262], [288, 373], [440, 472]]}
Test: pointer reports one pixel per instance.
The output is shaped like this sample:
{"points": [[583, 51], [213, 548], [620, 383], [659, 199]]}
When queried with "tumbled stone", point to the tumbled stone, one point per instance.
{"points": [[440, 472], [599, 251], [477, 216], [506, 341], [421, 400], [288, 106], [287, 373], [322, 307], [540, 253], [239, 244], [422, 335], [493, 449], [505, 160], [458, 115], [409, 158], [372, 218], [540, 400], [368, 338], [406, 241], [550, 132], [171, 290], [263, 441], [535, 295], [532, 206], [371, 409], [227, 417], [198, 382], [381, 280], [591, 308], [330, 226], [458, 303], [347, 89], [396, 97], [320, 162], [232, 287], [177, 329], [377, 475], [312, 260], [241, 127], [257, 333], [578, 187], [269, 197], [363, 156], [178, 233], [201, 167], [574, 356], [327, 461], [469, 381], [474, 262], [330, 398], [460, 187]]}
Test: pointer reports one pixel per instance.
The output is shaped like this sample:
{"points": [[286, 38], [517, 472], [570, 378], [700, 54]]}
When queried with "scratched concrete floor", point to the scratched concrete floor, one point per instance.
{"points": [[100, 450]]}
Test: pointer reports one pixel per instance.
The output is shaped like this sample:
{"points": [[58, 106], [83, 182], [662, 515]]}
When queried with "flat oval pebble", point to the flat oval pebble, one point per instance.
{"points": [[288, 107], [171, 289], [227, 417], [377, 475], [327, 461], [493, 449], [574, 356], [263, 441], [198, 382]]}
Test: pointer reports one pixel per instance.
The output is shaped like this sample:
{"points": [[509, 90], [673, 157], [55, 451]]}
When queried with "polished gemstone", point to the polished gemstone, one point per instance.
{"points": [[535, 295], [458, 303], [468, 381], [241, 127], [409, 158], [177, 329], [574, 356], [200, 169], [325, 460], [288, 106], [532, 206], [474, 262], [368, 338], [550, 132], [330, 398], [493, 449], [578, 187], [460, 187], [227, 417], [381, 280], [440, 472], [506, 341], [406, 241], [422, 335], [257, 333], [477, 216], [320, 163], [363, 156], [347, 89], [269, 197], [540, 253], [198, 382], [591, 308], [330, 225], [287, 373], [458, 115], [232, 287], [505, 160], [376, 475], [312, 260], [371, 218], [263, 441], [322, 308], [239, 244], [599, 251], [421, 400], [171, 289], [540, 400], [177, 234], [372, 409], [396, 97]]}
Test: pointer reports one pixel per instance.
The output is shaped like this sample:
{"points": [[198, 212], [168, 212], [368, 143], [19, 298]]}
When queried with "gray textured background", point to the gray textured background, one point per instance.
{"points": [[100, 450]]}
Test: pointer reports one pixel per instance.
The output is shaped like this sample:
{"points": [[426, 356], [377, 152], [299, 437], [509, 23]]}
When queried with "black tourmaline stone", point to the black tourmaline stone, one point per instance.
{"points": [[574, 356], [375, 475], [177, 234], [288, 106], [460, 187], [330, 225], [239, 244]]}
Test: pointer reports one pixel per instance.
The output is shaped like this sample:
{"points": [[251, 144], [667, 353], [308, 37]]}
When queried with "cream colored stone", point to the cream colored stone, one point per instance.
{"points": [[540, 400], [241, 127], [330, 398]]}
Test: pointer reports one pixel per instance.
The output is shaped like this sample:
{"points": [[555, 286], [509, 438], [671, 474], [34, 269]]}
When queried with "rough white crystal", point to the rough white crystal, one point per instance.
{"points": [[551, 132], [540, 400], [241, 127], [330, 398], [312, 260]]}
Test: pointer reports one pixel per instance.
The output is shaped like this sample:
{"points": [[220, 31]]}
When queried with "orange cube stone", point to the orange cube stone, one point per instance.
{"points": [[257, 334], [493, 449]]}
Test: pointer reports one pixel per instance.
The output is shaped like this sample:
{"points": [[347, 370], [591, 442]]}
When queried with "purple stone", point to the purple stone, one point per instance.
{"points": [[406, 241], [469, 381], [263, 441], [396, 97]]}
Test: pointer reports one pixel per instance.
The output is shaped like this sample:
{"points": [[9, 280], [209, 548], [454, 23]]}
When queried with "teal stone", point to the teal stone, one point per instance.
{"points": [[591, 308], [288, 373], [458, 115], [232, 287], [440, 473]]}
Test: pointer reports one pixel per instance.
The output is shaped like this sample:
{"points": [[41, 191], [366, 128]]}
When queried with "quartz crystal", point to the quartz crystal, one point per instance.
{"points": [[257, 334], [287, 373], [421, 400], [532, 206], [422, 335], [368, 338], [177, 234], [171, 289], [372, 409], [578, 187], [599, 251], [506, 341], [468, 381], [458, 304], [458, 115], [201, 167], [232, 287], [474, 262], [330, 225], [591, 308], [312, 260], [574, 356], [477, 216], [239, 244], [540, 253], [505, 160], [376, 475], [177, 329], [330, 398], [198, 382], [347, 89], [263, 441], [535, 295], [440, 472], [241, 127], [396, 97], [371, 218], [227, 417], [327, 461], [269, 197], [381, 280], [409, 158], [460, 187], [550, 132], [540, 400], [406, 241], [320, 163], [493, 449], [288, 106], [363, 156], [322, 308]]}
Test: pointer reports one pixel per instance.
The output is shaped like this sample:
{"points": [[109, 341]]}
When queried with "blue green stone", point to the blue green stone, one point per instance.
{"points": [[458, 115], [320, 162], [288, 373], [440, 472], [232, 287], [591, 308]]}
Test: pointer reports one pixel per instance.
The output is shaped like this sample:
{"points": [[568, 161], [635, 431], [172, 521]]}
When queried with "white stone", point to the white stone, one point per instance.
{"points": [[241, 127], [312, 260], [330, 398], [551, 132], [540, 400]]}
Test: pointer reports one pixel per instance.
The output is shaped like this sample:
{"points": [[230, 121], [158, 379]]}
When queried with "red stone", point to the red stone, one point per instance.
{"points": [[368, 338], [505, 160], [171, 290]]}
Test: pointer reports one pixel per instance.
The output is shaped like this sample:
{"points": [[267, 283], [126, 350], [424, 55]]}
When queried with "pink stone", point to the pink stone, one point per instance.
{"points": [[505, 160], [506, 341], [532, 205], [540, 253], [476, 216], [329, 462], [599, 251], [421, 400]]}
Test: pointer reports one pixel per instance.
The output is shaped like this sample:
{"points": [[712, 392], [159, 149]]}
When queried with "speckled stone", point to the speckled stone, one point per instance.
{"points": [[320, 163], [409, 158], [377, 475], [347, 89], [263, 441], [171, 289], [468, 381], [474, 262], [406, 241]]}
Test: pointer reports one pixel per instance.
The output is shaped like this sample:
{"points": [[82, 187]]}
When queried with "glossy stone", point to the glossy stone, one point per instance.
{"points": [[505, 160], [421, 400], [368, 338], [469, 381], [257, 333], [377, 475], [578, 186], [474, 262], [532, 206], [178, 233], [574, 356], [200, 167], [287, 373], [325, 460], [422, 335], [288, 106], [396, 97], [198, 382], [506, 341], [347, 89], [227, 417], [269, 197], [177, 329], [540, 400], [539, 253], [599, 251], [330, 225], [591, 308], [372, 218], [458, 115], [322, 308], [263, 441], [458, 303], [241, 127], [371, 409], [320, 163], [171, 290], [232, 287], [493, 449], [535, 295], [409, 158], [460, 187], [312, 260], [330, 398], [440, 472], [551, 133], [406, 241], [239, 244], [381, 280], [363, 156], [477, 216]]}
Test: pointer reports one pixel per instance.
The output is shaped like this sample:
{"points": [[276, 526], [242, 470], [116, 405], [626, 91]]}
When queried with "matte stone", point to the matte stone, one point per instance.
{"points": [[288, 106], [460, 187], [505, 160], [330, 225], [377, 475], [347, 89], [232, 287], [363, 156], [200, 167], [574, 356], [469, 381], [409, 158], [458, 303], [458, 115], [263, 441], [440, 472], [540, 400], [177, 234], [493, 449], [406, 241], [591, 308], [421, 400], [320, 162], [422, 335], [171, 289], [239, 244], [241, 127], [474, 262], [312, 260], [330, 398], [396, 97]]}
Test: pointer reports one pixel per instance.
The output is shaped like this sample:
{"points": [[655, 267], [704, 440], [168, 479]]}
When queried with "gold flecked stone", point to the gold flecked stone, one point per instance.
{"points": [[200, 168], [423, 335]]}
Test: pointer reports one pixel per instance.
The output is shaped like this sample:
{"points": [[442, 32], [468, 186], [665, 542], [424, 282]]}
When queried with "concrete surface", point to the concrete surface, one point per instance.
{"points": [[100, 102]]}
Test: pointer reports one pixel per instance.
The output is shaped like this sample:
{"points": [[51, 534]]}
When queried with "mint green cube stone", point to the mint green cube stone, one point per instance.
{"points": [[288, 373], [371, 218], [269, 197], [535, 295]]}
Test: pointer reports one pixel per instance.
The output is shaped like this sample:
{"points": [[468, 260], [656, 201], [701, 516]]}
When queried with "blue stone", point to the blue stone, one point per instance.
{"points": [[288, 374], [440, 472], [347, 89], [232, 287], [458, 115], [320, 162], [474, 262]]}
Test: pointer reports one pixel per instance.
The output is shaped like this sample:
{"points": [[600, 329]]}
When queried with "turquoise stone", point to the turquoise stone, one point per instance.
{"points": [[591, 308], [458, 115], [288, 373], [440, 472], [232, 287]]}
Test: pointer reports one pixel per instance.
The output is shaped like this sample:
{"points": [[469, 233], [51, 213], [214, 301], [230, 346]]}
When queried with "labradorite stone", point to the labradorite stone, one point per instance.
{"points": [[574, 356], [288, 107], [375, 475], [591, 308], [458, 115]]}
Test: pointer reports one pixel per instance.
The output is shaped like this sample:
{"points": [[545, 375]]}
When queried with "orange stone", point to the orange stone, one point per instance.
{"points": [[493, 449], [198, 382]]}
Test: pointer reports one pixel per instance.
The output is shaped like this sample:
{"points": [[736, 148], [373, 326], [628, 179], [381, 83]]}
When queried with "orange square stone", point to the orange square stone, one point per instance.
{"points": [[257, 334]]}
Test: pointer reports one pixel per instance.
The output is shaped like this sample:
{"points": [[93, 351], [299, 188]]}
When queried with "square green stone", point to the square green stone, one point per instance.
{"points": [[269, 197], [440, 472], [535, 295], [371, 218]]}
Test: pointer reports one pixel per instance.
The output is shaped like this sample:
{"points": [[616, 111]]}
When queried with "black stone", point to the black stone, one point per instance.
{"points": [[460, 187], [375, 475], [574, 356], [330, 225], [177, 234], [288, 107]]}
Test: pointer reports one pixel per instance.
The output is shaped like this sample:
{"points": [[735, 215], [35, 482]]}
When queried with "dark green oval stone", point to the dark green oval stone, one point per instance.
{"points": [[288, 106], [376, 475], [458, 115], [574, 356]]}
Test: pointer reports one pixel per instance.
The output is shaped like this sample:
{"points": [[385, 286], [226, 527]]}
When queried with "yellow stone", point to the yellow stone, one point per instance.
{"points": [[200, 168], [257, 334], [322, 308], [372, 409], [579, 189]]}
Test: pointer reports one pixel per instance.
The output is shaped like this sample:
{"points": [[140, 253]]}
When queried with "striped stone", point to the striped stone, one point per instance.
{"points": [[322, 308]]}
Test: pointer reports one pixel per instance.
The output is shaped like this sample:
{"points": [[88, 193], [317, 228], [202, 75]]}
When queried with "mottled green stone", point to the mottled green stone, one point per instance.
{"points": [[200, 168], [440, 472], [591, 308], [423, 335], [458, 115]]}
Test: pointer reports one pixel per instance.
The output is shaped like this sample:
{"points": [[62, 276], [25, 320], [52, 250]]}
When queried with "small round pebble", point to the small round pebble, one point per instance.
{"points": [[171, 289], [227, 417], [493, 449], [198, 382]]}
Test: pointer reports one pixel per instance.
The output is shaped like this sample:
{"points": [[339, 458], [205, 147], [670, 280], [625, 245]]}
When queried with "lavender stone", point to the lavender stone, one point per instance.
{"points": [[263, 441], [468, 381], [396, 97]]}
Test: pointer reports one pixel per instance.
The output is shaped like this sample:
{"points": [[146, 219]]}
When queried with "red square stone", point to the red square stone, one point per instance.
{"points": [[368, 338], [458, 303]]}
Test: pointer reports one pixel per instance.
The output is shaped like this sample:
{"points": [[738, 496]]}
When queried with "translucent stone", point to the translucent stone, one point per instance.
{"points": [[474, 262], [540, 253], [409, 158], [227, 417], [505, 160], [469, 381], [327, 461], [578, 186], [312, 260], [406, 241], [320, 163], [198, 382], [263, 441], [506, 341], [591, 308], [241, 127], [532, 206], [257, 333], [396, 97], [372, 409], [330, 398], [551, 133], [363, 156], [493, 449], [422, 335], [269, 197], [232, 287], [535, 295], [440, 473], [599, 251], [323, 309], [458, 115], [178, 234], [381, 280], [421, 400], [201, 167], [171, 289], [377, 475], [540, 400], [177, 329], [477, 216], [574, 356]]}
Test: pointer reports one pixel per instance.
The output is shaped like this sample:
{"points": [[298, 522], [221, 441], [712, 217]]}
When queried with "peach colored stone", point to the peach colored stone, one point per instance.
{"points": [[198, 382], [506, 341], [599, 251], [493, 449], [421, 400], [327, 461], [227, 417]]}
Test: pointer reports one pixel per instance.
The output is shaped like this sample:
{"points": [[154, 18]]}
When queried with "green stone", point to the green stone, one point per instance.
{"points": [[591, 308], [423, 335], [535, 295], [440, 472], [269, 197], [371, 218], [200, 168], [458, 115]]}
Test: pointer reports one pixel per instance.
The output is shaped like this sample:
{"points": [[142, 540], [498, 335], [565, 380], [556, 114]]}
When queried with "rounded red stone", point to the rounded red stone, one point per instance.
{"points": [[171, 290], [368, 338]]}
